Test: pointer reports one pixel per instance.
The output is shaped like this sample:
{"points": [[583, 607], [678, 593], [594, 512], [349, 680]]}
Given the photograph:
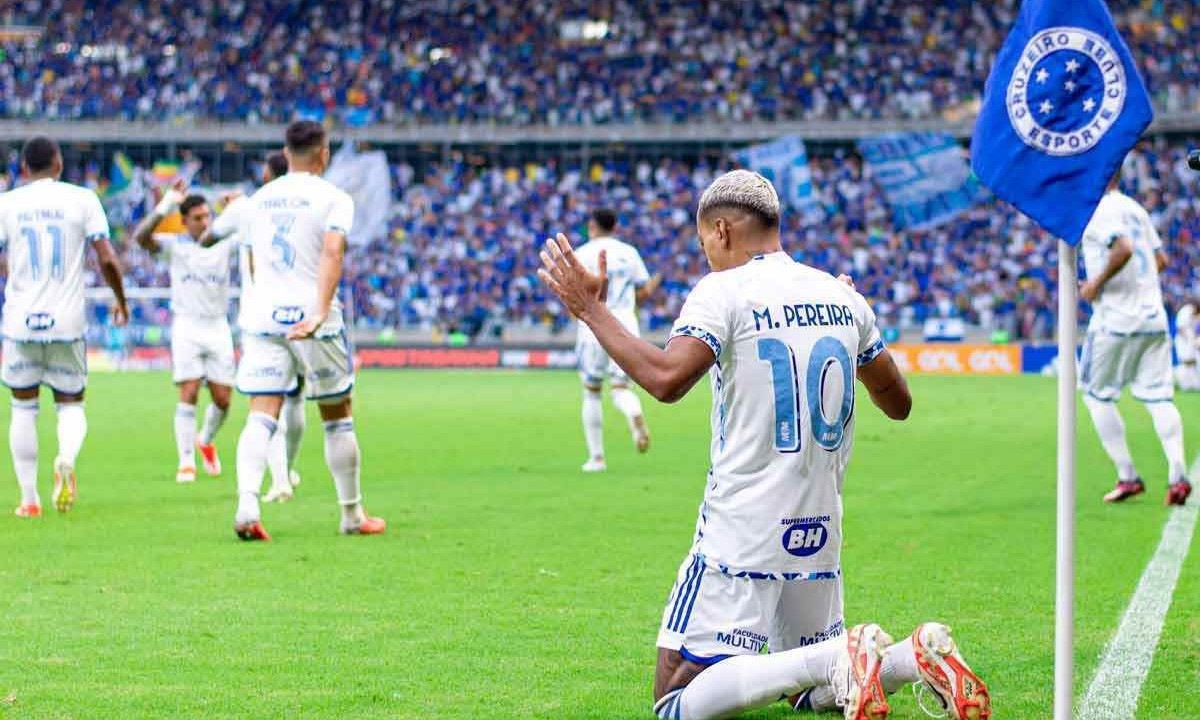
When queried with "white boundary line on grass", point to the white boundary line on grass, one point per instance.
{"points": [[1114, 690]]}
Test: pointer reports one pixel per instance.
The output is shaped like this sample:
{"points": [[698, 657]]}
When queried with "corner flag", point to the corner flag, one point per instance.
{"points": [[1062, 107]]}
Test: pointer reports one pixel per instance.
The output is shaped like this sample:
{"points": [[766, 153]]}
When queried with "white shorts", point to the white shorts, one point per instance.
{"points": [[202, 349], [273, 365], [60, 366], [1143, 362], [595, 364], [1185, 349], [711, 615]]}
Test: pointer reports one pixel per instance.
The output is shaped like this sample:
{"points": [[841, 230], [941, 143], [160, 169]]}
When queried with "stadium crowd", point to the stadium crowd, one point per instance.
{"points": [[458, 61], [461, 254]]}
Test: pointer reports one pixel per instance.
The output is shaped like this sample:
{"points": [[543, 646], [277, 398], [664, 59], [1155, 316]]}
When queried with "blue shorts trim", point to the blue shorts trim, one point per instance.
{"points": [[1152, 401], [327, 396], [700, 659]]}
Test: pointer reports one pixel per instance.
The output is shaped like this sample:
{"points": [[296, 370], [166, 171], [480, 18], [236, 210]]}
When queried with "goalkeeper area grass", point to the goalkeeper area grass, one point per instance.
{"points": [[511, 585]]}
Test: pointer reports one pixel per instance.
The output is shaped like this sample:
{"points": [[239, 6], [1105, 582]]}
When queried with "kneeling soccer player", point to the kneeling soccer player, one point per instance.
{"points": [[783, 342]]}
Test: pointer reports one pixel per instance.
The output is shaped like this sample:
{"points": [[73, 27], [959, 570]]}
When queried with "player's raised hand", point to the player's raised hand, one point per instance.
{"points": [[848, 280], [577, 287]]}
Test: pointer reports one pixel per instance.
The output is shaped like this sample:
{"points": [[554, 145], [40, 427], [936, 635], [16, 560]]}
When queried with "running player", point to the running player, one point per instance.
{"points": [[783, 342], [47, 225], [285, 444], [293, 325], [1127, 342], [629, 284], [201, 340]]}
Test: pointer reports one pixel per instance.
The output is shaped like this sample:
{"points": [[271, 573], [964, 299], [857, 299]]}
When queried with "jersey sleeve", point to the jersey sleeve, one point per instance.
{"points": [[1103, 229], [95, 222], [639, 274], [166, 243], [705, 316], [230, 221], [341, 214], [870, 342]]}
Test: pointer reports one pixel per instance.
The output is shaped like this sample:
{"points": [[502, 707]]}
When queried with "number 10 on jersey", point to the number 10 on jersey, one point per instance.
{"points": [[827, 363]]}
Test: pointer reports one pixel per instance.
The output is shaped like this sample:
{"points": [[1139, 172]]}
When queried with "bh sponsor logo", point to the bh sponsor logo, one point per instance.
{"points": [[804, 537], [39, 321], [289, 315]]}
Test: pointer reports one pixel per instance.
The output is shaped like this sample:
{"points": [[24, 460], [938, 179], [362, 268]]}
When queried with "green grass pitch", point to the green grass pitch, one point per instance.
{"points": [[510, 585]]}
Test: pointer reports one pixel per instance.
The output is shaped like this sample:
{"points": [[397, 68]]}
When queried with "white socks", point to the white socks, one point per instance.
{"points": [[72, 429], [23, 441], [1169, 427], [277, 459], [1111, 430], [745, 682], [627, 402], [294, 421], [342, 457], [251, 462], [185, 434], [214, 418], [899, 666], [593, 423]]}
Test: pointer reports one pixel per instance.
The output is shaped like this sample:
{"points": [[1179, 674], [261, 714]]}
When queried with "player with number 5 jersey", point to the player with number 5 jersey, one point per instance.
{"points": [[297, 230], [756, 610], [47, 226]]}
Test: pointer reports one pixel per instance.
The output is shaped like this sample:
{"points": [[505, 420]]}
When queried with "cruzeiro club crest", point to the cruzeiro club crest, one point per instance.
{"points": [[1067, 90]]}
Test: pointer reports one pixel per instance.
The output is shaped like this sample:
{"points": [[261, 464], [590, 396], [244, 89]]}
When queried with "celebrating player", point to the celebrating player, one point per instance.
{"points": [[285, 443], [293, 325], [47, 226], [783, 342], [201, 340], [629, 284], [1127, 341]]}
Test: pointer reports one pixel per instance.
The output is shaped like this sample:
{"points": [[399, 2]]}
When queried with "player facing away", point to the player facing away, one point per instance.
{"points": [[1185, 347], [629, 283], [285, 443], [782, 343], [201, 339], [293, 326], [1127, 342], [46, 226]]}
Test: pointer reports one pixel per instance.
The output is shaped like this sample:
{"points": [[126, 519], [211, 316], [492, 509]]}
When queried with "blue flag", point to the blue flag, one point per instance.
{"points": [[1062, 107]]}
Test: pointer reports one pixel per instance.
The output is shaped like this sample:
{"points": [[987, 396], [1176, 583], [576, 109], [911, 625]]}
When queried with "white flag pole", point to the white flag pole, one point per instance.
{"points": [[1064, 595]]}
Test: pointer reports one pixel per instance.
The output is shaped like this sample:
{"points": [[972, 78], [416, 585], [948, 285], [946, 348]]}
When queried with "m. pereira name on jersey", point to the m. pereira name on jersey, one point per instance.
{"points": [[805, 536], [802, 315]]}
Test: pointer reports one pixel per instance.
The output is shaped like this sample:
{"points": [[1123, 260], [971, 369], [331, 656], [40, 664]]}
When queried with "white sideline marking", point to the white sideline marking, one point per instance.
{"points": [[1113, 693]]}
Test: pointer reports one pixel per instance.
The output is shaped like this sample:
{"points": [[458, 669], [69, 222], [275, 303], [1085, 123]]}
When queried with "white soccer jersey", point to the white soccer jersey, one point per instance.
{"points": [[233, 220], [199, 276], [626, 273], [788, 340], [46, 226], [289, 217], [1131, 301]]}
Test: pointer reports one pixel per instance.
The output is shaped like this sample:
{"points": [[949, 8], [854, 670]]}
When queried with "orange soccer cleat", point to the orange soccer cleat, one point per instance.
{"points": [[28, 511], [856, 682], [367, 526], [210, 459], [963, 696], [250, 531]]}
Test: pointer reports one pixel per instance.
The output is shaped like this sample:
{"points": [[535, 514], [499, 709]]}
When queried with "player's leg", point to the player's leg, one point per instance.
{"points": [[709, 662], [21, 371], [185, 429], [293, 409], [1103, 373], [630, 406], [284, 447], [221, 373], [809, 612], [267, 373], [329, 379], [214, 418], [592, 367], [66, 375], [1153, 386]]}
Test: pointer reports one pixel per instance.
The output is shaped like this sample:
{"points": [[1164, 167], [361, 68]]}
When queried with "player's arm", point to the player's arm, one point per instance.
{"points": [[110, 268], [647, 289], [667, 374], [329, 274], [1119, 254], [886, 385], [143, 234], [1161, 259]]}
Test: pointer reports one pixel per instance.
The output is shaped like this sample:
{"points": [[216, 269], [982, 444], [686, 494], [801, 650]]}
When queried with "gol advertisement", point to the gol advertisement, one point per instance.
{"points": [[958, 359]]}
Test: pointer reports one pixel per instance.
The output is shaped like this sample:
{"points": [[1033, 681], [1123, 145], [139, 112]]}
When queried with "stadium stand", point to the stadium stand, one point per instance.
{"points": [[456, 61]]}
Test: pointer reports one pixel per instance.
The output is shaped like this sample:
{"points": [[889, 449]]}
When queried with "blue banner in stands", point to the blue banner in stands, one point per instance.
{"points": [[924, 176], [785, 163]]}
